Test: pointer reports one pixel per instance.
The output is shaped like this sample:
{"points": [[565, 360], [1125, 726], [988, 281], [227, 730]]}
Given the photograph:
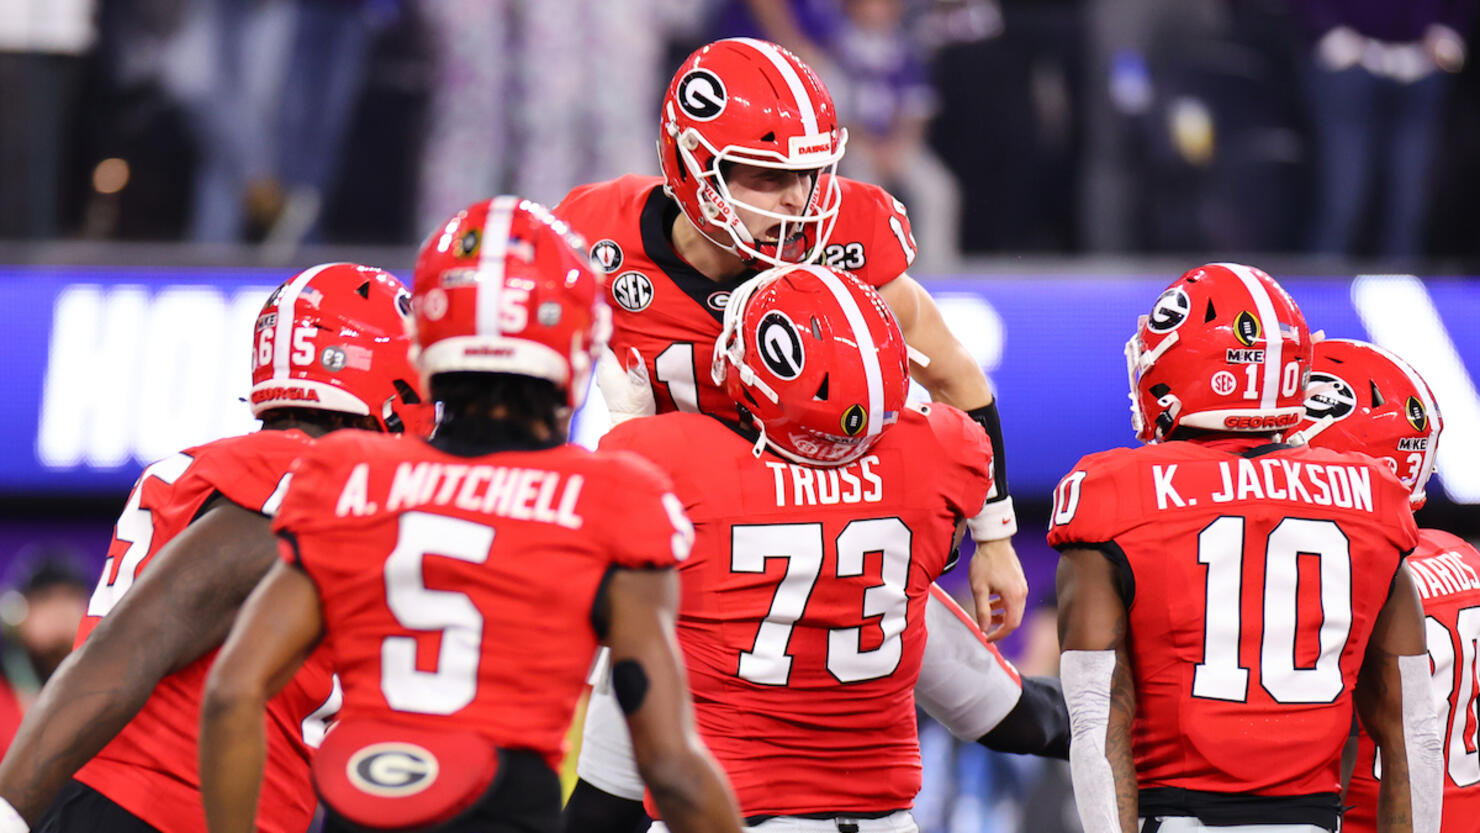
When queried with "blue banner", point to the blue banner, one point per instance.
{"points": [[107, 370]]}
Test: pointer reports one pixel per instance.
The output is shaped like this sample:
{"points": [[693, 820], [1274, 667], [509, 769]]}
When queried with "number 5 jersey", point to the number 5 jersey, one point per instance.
{"points": [[1252, 575]]}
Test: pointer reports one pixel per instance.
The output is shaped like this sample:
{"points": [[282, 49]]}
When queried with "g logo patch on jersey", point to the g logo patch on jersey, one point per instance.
{"points": [[780, 346], [632, 291], [392, 770], [717, 301], [1246, 328], [608, 255], [701, 95], [1169, 311], [1334, 399]]}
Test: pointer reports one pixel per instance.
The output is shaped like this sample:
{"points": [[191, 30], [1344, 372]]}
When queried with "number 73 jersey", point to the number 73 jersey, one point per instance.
{"points": [[667, 314], [1253, 576], [802, 619]]}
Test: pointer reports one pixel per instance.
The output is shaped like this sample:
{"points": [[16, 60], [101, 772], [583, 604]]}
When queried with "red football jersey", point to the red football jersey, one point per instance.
{"points": [[1257, 574], [802, 620], [151, 768], [457, 592], [669, 312], [1447, 572]]}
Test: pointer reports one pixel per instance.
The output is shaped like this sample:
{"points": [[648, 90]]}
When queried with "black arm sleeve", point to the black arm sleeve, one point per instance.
{"points": [[592, 810], [986, 416], [1037, 725]]}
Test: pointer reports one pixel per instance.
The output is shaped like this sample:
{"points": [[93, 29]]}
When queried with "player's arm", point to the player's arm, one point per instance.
{"points": [[952, 376], [638, 608], [1096, 673], [177, 610], [1395, 705], [278, 627]]}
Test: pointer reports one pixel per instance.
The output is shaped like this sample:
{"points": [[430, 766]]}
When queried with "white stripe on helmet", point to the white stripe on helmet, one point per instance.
{"points": [[492, 249], [287, 303], [805, 106], [866, 348], [1269, 322]]}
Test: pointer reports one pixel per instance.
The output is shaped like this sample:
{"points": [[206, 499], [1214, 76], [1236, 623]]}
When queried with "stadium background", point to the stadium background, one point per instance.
{"points": [[153, 189]]}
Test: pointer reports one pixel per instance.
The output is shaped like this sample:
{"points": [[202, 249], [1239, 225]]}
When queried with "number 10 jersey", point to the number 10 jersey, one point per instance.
{"points": [[1253, 576]]}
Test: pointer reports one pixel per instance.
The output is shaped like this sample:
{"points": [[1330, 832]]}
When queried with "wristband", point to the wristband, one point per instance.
{"points": [[986, 416], [995, 522]]}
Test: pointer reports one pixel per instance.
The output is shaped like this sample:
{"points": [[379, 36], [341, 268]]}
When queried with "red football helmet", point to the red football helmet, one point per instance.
{"points": [[1224, 349], [505, 287], [818, 360], [749, 101], [1363, 398], [333, 338]]}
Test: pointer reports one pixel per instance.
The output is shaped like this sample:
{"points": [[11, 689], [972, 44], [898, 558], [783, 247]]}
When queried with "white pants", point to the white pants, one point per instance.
{"points": [[1188, 824], [900, 822]]}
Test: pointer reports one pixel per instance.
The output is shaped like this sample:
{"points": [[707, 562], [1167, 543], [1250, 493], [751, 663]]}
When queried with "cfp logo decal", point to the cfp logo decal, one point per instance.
{"points": [[1335, 398], [780, 346], [1418, 417], [392, 770], [854, 419], [1246, 328], [632, 291], [701, 95], [608, 255], [1169, 311], [467, 245]]}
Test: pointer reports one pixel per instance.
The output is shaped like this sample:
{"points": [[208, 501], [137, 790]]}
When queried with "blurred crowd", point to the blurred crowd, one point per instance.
{"points": [[1342, 127]]}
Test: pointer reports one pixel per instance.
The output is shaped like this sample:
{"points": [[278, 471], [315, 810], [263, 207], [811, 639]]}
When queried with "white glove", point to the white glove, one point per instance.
{"points": [[627, 390]]}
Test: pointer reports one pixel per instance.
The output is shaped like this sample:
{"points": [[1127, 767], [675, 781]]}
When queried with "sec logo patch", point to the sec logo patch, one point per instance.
{"points": [[632, 291]]}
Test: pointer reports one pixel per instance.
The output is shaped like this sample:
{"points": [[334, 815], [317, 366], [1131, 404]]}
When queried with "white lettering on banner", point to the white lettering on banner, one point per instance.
{"points": [[134, 376]]}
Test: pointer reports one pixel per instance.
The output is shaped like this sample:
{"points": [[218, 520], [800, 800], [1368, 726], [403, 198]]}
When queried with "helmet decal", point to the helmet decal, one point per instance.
{"points": [[779, 345], [1417, 416], [1330, 396], [1246, 328], [701, 95], [854, 419], [1169, 311]]}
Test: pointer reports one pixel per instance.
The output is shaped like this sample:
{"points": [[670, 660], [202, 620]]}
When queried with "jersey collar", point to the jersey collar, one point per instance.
{"points": [[658, 214]]}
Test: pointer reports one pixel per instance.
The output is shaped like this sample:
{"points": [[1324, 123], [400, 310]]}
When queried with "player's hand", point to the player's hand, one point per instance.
{"points": [[998, 587], [625, 386]]}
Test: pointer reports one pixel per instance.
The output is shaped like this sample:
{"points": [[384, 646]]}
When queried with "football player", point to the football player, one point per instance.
{"points": [[1363, 398], [1226, 599], [820, 525], [749, 140], [329, 352], [462, 585]]}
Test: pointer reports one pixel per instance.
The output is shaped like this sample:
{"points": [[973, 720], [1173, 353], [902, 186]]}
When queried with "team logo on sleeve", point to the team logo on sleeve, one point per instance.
{"points": [[854, 419], [392, 770], [780, 346], [1246, 328], [632, 291], [608, 255], [1418, 417], [1169, 311], [1333, 397], [701, 95]]}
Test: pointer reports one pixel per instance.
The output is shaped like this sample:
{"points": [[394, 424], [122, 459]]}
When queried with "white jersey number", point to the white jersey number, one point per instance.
{"points": [[1462, 748], [454, 682], [1220, 676], [767, 662], [136, 528]]}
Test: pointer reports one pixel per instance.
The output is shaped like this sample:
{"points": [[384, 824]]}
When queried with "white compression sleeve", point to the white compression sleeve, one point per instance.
{"points": [[10, 820], [1086, 676], [607, 760], [1421, 740], [964, 684]]}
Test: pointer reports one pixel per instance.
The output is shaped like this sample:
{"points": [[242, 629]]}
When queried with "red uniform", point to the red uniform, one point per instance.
{"points": [[669, 312], [151, 768], [457, 592], [1253, 576], [1447, 572], [802, 616]]}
